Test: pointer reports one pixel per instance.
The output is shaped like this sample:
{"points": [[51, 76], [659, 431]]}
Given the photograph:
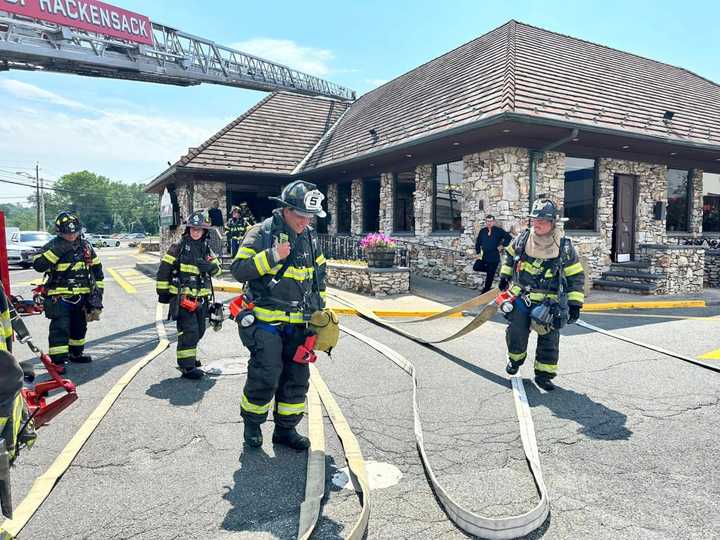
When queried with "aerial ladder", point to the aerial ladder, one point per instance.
{"points": [[163, 55]]}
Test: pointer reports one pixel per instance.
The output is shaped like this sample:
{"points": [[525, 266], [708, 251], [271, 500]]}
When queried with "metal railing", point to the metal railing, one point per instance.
{"points": [[348, 248], [710, 242]]}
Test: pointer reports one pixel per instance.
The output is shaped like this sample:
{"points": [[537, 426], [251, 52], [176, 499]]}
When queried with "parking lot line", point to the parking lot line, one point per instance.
{"points": [[127, 287]]}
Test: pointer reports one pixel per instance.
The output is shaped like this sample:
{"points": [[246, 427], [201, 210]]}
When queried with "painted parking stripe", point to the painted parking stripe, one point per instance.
{"points": [[127, 287], [712, 355]]}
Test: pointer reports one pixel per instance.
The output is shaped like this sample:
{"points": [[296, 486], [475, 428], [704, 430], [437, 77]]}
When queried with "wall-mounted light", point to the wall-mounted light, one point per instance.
{"points": [[673, 153], [668, 116], [374, 134], [625, 146]]}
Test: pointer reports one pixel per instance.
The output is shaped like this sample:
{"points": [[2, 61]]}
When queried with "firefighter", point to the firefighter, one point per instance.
{"points": [[73, 289], [544, 273], [184, 280], [285, 273], [6, 331], [235, 230]]}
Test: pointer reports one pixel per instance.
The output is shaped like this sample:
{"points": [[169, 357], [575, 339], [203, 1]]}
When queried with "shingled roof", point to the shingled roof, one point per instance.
{"points": [[271, 137], [528, 71]]}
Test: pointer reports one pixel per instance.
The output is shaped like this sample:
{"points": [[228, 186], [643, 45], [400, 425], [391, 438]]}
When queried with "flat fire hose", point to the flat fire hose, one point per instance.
{"points": [[315, 475], [648, 346], [44, 484], [487, 299], [483, 527]]}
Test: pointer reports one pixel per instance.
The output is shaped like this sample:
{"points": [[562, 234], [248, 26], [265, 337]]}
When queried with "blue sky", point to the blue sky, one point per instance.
{"points": [[128, 130]]}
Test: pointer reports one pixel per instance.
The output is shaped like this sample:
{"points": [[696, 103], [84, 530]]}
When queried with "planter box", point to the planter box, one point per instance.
{"points": [[366, 280]]}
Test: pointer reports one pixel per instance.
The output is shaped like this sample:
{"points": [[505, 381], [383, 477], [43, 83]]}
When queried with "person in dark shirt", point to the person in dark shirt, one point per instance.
{"points": [[215, 215], [487, 246]]}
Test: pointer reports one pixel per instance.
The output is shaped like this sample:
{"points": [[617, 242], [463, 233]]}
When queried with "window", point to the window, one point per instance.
{"points": [[404, 211], [343, 208], [448, 196], [678, 208], [580, 193], [371, 204], [711, 202]]}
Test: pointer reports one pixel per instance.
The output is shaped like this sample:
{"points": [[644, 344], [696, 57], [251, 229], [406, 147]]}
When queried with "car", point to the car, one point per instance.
{"points": [[95, 240], [36, 239], [107, 241], [20, 254]]}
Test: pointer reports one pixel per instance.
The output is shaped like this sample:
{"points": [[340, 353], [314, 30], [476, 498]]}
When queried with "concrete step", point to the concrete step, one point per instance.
{"points": [[624, 286], [623, 275], [632, 266]]}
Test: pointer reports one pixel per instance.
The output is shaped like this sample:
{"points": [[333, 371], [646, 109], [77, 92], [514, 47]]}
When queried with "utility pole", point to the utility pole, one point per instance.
{"points": [[37, 193], [42, 205]]}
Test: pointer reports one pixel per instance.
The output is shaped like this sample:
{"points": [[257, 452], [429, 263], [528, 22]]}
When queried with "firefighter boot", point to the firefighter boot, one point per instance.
{"points": [[253, 435], [545, 383], [80, 358], [290, 437], [512, 367], [193, 373]]}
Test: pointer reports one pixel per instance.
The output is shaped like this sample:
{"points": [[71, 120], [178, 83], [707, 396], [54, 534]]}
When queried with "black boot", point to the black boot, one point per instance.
{"points": [[192, 373], [545, 383], [253, 435], [80, 358], [290, 437], [512, 367]]}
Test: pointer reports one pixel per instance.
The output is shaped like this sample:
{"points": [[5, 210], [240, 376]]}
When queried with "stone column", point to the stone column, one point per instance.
{"points": [[332, 209], [696, 202], [356, 207], [423, 200], [387, 202]]}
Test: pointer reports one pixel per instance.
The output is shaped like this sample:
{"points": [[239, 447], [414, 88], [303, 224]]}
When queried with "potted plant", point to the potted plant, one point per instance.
{"points": [[379, 249]]}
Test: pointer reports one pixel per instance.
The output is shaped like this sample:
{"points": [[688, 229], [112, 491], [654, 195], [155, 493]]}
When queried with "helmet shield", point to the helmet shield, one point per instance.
{"points": [[67, 223], [302, 197], [197, 219], [545, 209]]}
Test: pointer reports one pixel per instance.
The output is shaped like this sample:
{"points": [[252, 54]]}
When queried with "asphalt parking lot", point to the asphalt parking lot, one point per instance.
{"points": [[628, 440]]}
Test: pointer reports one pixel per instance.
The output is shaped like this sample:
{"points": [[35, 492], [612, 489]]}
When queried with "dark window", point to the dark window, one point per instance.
{"points": [[448, 196], [371, 204], [321, 224], [404, 211], [343, 208], [711, 202], [579, 203], [678, 208]]}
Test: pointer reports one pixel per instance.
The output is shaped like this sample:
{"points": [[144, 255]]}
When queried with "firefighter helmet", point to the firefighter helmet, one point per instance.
{"points": [[235, 209], [303, 197], [197, 219], [67, 223], [546, 209]]}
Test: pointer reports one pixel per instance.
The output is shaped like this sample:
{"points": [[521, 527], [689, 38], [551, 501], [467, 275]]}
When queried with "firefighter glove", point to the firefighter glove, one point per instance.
{"points": [[206, 267], [504, 284], [574, 314]]}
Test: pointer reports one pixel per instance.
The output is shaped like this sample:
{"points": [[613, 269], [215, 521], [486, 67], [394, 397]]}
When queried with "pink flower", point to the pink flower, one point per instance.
{"points": [[377, 241]]}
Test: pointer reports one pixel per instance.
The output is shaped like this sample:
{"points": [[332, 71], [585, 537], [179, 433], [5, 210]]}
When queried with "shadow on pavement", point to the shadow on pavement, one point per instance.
{"points": [[597, 420], [268, 491], [179, 391]]}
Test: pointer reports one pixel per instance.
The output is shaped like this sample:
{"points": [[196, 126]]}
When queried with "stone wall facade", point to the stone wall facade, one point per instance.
{"points": [[373, 281], [682, 267], [712, 269], [332, 209], [696, 202], [387, 202], [356, 206]]}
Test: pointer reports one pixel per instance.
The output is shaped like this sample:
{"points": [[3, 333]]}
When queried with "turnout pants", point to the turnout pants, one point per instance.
{"points": [[68, 326], [548, 345], [272, 373], [190, 330]]}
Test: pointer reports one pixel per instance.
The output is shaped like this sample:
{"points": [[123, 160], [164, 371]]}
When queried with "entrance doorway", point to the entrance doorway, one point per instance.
{"points": [[623, 245]]}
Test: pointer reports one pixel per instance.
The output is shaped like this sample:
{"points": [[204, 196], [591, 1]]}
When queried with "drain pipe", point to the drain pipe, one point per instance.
{"points": [[536, 155]]}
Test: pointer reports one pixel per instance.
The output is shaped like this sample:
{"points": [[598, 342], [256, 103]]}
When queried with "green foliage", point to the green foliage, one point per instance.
{"points": [[19, 216], [104, 206]]}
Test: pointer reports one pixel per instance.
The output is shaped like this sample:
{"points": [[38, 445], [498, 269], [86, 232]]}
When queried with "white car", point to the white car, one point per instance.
{"points": [[20, 254], [36, 239], [107, 241]]}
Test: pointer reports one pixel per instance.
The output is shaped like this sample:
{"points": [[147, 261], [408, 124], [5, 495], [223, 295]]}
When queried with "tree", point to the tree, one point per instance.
{"points": [[19, 216]]}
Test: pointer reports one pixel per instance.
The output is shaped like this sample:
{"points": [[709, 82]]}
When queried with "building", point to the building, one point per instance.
{"points": [[630, 147]]}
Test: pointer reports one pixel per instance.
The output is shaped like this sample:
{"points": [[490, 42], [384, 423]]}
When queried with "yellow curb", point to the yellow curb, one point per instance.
{"points": [[660, 304], [396, 313]]}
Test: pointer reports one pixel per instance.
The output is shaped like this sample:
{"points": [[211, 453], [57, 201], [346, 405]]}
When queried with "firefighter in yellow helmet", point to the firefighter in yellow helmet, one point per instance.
{"points": [[544, 273]]}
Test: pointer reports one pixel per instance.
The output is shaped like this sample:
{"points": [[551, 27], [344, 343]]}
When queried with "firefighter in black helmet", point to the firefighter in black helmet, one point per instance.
{"points": [[543, 271], [184, 282], [73, 289], [285, 271]]}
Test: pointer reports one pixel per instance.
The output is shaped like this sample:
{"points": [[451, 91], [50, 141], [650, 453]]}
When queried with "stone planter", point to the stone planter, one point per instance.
{"points": [[380, 258], [372, 281]]}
